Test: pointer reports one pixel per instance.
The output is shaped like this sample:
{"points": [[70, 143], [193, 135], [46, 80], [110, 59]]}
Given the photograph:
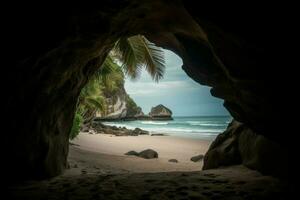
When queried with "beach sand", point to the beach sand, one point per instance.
{"points": [[99, 170], [106, 152]]}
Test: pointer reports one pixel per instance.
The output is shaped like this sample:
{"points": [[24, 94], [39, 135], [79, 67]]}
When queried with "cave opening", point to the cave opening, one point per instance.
{"points": [[175, 117], [55, 59]]}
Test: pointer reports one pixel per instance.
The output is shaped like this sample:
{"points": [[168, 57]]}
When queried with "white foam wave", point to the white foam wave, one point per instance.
{"points": [[195, 123], [119, 125], [154, 123], [185, 130]]}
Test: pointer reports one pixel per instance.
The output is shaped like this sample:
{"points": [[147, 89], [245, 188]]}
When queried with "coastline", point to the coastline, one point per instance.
{"points": [[195, 127]]}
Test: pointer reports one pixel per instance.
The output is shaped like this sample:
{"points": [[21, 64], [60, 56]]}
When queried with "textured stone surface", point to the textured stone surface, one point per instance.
{"points": [[120, 106], [234, 182], [160, 112], [52, 56], [98, 127], [148, 154], [197, 158], [132, 153], [240, 145]]}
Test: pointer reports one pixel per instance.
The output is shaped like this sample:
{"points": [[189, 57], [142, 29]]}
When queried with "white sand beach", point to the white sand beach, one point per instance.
{"points": [[99, 170], [106, 152]]}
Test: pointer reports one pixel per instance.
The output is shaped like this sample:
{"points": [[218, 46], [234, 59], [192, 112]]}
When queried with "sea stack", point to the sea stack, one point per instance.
{"points": [[160, 112]]}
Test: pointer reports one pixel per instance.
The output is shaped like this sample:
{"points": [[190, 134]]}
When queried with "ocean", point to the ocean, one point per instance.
{"points": [[201, 127]]}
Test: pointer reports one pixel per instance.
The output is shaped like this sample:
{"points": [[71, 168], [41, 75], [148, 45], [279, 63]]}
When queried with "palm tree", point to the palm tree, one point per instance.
{"points": [[133, 54], [136, 53], [91, 100]]}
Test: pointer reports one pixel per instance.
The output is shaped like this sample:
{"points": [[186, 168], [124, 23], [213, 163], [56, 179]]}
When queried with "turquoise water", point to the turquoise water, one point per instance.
{"points": [[202, 127]]}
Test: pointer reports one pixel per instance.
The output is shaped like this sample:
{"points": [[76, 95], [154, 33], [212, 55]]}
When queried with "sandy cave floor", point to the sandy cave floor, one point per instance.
{"points": [[84, 180]]}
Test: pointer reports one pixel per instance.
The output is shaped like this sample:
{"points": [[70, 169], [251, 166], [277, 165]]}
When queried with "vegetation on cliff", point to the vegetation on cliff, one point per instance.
{"points": [[129, 56]]}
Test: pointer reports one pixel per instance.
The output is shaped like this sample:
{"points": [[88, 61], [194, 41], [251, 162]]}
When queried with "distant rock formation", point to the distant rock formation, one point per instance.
{"points": [[120, 106], [160, 112]]}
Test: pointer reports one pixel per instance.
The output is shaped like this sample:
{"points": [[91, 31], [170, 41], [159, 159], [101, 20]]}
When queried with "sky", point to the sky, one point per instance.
{"points": [[176, 91]]}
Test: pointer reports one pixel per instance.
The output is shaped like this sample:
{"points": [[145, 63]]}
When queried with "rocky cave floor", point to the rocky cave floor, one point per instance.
{"points": [[236, 182]]}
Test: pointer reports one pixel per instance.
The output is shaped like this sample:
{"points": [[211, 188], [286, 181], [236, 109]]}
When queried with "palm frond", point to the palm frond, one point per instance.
{"points": [[95, 103], [127, 55], [137, 53], [152, 57]]}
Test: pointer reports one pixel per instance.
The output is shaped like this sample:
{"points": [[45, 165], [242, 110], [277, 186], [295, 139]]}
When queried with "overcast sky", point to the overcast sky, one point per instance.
{"points": [[176, 90]]}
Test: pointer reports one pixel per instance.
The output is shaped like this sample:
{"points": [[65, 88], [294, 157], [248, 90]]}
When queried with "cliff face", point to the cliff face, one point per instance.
{"points": [[120, 106]]}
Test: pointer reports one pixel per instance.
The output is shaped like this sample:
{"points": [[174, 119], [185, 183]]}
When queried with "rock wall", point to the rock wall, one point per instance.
{"points": [[51, 57], [241, 145]]}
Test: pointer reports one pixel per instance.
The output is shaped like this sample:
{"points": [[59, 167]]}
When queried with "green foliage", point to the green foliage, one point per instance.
{"points": [[130, 102], [111, 76], [77, 122], [136, 53], [132, 108], [91, 99]]}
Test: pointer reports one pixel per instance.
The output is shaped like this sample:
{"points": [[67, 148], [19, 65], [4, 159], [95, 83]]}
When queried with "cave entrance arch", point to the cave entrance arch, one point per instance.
{"points": [[51, 74], [196, 120]]}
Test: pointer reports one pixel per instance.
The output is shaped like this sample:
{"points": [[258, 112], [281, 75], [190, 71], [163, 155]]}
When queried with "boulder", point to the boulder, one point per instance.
{"points": [[239, 144], [197, 158], [139, 131], [158, 134], [173, 160], [132, 153], [160, 112], [85, 129], [91, 131], [148, 154]]}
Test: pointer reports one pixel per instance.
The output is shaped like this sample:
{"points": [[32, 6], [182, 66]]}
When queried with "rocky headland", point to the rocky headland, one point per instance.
{"points": [[99, 128]]}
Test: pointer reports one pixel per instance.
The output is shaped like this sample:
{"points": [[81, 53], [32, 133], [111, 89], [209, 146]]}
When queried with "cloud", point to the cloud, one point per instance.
{"points": [[157, 89]]}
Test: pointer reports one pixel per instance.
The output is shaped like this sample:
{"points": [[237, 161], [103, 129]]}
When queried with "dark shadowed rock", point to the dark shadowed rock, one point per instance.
{"points": [[85, 129], [197, 158], [148, 154], [235, 59], [139, 131], [173, 160], [132, 153], [99, 127], [238, 144], [158, 134]]}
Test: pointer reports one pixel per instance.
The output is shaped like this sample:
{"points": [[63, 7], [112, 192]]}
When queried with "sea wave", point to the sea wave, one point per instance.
{"points": [[154, 123], [120, 125], [205, 124], [167, 129], [184, 130], [198, 123]]}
